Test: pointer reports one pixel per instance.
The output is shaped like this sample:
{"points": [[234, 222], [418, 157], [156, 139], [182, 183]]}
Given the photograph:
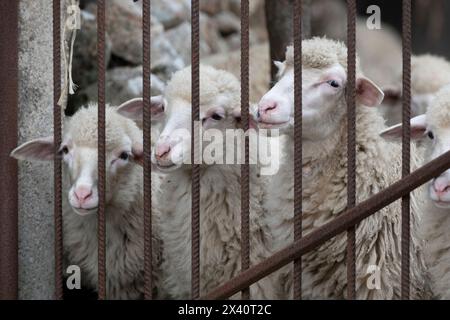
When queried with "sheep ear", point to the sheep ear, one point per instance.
{"points": [[133, 109], [281, 67], [368, 93], [38, 150], [418, 129]]}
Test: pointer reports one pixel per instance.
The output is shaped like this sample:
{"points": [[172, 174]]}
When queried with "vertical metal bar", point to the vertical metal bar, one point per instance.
{"points": [[101, 148], [298, 142], [9, 27], [147, 150], [195, 227], [406, 148], [57, 136], [245, 183], [351, 148]]}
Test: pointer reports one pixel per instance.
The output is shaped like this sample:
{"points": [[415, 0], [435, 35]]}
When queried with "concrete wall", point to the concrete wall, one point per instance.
{"points": [[36, 251]]}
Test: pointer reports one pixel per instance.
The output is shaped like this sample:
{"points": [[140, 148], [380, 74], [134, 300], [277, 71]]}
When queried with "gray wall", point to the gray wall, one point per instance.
{"points": [[36, 251]]}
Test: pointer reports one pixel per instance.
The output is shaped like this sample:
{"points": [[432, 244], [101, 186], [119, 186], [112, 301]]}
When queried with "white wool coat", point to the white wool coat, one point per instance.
{"points": [[220, 233], [378, 238]]}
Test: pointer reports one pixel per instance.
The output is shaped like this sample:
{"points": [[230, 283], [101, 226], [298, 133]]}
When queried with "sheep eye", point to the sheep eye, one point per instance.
{"points": [[64, 150], [333, 83], [216, 117], [124, 156], [430, 135]]}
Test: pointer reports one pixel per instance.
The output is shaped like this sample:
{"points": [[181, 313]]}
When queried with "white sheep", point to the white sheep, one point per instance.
{"points": [[220, 210], [259, 67], [432, 129], [324, 177], [429, 73], [124, 197]]}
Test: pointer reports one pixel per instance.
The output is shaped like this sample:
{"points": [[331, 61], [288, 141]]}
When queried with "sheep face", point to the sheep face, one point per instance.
{"points": [[79, 154], [393, 102], [173, 147], [429, 74], [323, 99], [433, 129], [323, 92], [219, 110]]}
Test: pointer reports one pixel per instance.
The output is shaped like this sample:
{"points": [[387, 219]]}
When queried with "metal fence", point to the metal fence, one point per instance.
{"points": [[346, 222]]}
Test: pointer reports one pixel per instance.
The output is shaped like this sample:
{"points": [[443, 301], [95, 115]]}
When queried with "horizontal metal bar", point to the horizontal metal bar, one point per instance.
{"points": [[324, 233]]}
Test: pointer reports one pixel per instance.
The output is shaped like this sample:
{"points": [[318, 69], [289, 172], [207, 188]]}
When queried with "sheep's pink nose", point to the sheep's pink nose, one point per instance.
{"points": [[162, 150], [266, 106], [83, 193], [441, 185]]}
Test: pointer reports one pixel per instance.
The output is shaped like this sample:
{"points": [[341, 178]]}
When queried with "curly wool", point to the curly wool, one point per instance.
{"points": [[259, 68], [430, 73], [320, 53], [213, 83], [438, 114]]}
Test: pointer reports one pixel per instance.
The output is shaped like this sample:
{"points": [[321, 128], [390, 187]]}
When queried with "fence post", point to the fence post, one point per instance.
{"points": [[8, 136], [279, 26]]}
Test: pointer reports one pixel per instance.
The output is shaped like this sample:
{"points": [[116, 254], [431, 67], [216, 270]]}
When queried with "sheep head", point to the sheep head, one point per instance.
{"points": [[78, 151], [433, 129], [430, 73], [324, 81], [219, 110]]}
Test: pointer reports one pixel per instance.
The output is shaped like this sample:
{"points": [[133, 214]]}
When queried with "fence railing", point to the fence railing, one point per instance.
{"points": [[346, 222]]}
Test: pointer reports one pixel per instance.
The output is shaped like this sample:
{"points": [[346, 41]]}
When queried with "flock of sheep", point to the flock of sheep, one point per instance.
{"points": [[378, 238]]}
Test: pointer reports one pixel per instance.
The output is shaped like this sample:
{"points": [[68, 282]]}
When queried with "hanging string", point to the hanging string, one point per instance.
{"points": [[71, 25]]}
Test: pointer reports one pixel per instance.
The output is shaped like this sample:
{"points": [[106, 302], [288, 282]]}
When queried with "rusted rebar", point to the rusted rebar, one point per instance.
{"points": [[101, 15]]}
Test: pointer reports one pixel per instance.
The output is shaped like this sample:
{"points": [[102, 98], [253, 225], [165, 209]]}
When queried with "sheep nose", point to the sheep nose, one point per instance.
{"points": [[83, 193], [266, 107], [162, 150], [441, 186]]}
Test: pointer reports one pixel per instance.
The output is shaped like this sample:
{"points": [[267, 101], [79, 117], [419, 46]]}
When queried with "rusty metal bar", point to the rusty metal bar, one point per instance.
{"points": [[406, 146], [245, 184], [351, 145], [195, 227], [298, 142], [146, 21], [101, 15], [9, 26], [57, 136], [279, 27], [324, 233]]}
